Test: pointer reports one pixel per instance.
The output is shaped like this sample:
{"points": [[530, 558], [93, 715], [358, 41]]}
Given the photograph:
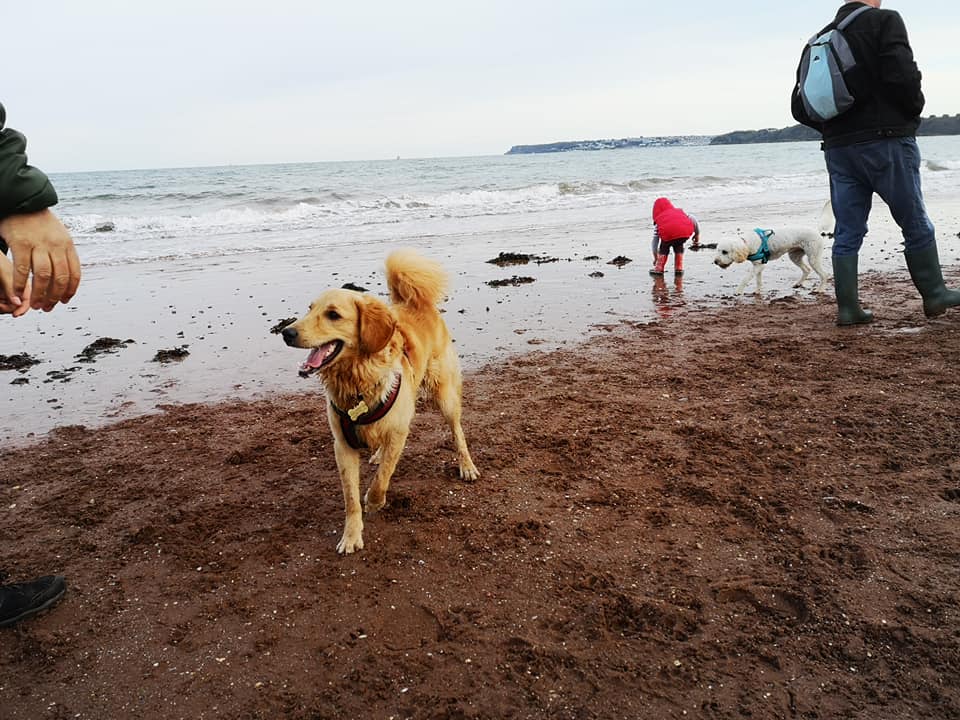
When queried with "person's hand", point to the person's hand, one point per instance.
{"points": [[40, 245], [16, 306]]}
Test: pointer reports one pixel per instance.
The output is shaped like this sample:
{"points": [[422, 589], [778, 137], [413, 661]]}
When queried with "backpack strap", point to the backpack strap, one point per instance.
{"points": [[853, 16], [841, 26]]}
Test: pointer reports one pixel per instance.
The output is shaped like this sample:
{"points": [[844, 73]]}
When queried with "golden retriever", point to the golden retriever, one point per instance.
{"points": [[374, 359]]}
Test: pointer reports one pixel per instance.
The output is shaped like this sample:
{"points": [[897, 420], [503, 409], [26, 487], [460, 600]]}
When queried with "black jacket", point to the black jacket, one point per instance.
{"points": [[885, 82], [22, 188]]}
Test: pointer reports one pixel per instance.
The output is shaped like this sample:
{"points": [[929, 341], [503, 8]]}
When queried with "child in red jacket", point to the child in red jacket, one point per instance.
{"points": [[672, 227]]}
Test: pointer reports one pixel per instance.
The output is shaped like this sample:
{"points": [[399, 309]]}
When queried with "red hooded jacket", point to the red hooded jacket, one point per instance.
{"points": [[672, 222]]}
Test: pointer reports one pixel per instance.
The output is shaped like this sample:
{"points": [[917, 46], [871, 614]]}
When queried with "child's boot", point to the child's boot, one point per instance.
{"points": [[661, 264], [678, 263]]}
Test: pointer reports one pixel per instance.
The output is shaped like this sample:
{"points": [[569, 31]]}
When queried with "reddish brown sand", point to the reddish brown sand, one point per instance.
{"points": [[739, 513]]}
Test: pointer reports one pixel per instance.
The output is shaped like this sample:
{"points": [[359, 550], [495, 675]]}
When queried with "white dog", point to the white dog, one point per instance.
{"points": [[760, 246]]}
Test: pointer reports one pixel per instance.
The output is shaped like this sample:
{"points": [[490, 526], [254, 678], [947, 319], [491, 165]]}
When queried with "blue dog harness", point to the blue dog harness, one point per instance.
{"points": [[763, 254]]}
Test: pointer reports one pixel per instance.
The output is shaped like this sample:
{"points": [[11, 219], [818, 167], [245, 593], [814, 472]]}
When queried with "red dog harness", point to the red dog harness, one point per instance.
{"points": [[349, 419]]}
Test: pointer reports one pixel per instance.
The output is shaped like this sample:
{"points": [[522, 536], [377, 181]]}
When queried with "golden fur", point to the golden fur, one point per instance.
{"points": [[365, 344]]}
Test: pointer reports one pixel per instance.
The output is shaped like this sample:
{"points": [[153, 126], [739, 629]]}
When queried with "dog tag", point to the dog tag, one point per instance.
{"points": [[357, 411]]}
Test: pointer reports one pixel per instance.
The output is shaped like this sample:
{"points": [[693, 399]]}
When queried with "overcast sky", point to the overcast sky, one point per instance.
{"points": [[138, 83]]}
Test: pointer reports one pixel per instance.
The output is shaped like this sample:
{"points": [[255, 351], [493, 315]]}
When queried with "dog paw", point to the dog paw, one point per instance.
{"points": [[373, 504], [350, 543], [468, 471]]}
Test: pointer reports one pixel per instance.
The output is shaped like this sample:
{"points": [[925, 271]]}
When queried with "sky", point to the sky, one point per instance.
{"points": [[100, 85]]}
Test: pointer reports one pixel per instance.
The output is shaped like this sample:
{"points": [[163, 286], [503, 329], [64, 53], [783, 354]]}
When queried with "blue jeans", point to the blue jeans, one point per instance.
{"points": [[891, 169]]}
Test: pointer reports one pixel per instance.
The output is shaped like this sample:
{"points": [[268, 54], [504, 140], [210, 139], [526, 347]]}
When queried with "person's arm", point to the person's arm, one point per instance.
{"points": [[656, 242], [23, 189], [899, 73], [39, 242]]}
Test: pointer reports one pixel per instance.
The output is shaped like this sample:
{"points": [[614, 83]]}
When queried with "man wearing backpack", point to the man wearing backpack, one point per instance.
{"points": [[871, 148]]}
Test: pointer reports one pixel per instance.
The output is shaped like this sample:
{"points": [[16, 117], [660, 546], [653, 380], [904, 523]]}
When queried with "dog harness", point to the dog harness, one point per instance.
{"points": [[360, 414], [763, 254]]}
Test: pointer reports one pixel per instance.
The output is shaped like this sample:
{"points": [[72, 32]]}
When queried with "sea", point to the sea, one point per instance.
{"points": [[135, 216], [203, 264]]}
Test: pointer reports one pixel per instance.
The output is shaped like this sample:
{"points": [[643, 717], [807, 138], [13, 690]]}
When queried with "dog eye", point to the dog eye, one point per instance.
{"points": [[332, 315], [723, 252]]}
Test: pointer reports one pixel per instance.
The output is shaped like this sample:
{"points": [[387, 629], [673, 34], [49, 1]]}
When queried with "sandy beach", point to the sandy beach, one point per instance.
{"points": [[690, 504], [737, 512]]}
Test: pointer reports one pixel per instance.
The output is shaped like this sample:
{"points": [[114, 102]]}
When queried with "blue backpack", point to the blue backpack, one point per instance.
{"points": [[825, 60]]}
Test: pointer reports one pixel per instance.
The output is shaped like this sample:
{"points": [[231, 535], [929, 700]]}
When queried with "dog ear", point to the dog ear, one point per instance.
{"points": [[376, 325], [740, 251]]}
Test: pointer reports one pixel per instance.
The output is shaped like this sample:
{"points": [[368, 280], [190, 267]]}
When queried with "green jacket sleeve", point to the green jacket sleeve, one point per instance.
{"points": [[22, 188]]}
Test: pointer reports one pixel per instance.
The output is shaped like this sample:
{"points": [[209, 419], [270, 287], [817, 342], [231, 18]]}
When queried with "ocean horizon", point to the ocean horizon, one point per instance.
{"points": [[129, 216]]}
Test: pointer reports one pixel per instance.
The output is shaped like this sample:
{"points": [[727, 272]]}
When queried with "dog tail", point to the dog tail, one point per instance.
{"points": [[415, 280], [827, 220]]}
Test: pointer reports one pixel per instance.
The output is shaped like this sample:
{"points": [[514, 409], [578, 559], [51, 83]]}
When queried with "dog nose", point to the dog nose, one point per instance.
{"points": [[289, 335]]}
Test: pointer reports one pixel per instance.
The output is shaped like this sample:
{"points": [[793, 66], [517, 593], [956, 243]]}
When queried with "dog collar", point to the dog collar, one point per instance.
{"points": [[360, 414], [763, 254]]}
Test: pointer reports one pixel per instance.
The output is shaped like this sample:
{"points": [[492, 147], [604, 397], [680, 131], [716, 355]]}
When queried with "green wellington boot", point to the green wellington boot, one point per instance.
{"points": [[849, 311], [924, 268]]}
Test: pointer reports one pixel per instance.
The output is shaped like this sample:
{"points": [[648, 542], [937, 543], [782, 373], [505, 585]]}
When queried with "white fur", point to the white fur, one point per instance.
{"points": [[794, 242]]}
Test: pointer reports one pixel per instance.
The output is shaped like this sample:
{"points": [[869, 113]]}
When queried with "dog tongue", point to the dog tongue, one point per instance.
{"points": [[317, 356]]}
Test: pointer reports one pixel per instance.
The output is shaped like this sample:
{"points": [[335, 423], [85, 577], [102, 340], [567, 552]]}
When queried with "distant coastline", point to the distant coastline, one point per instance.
{"points": [[933, 125], [610, 144]]}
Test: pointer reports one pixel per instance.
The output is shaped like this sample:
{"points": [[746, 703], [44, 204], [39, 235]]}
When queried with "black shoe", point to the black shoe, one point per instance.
{"points": [[22, 600]]}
